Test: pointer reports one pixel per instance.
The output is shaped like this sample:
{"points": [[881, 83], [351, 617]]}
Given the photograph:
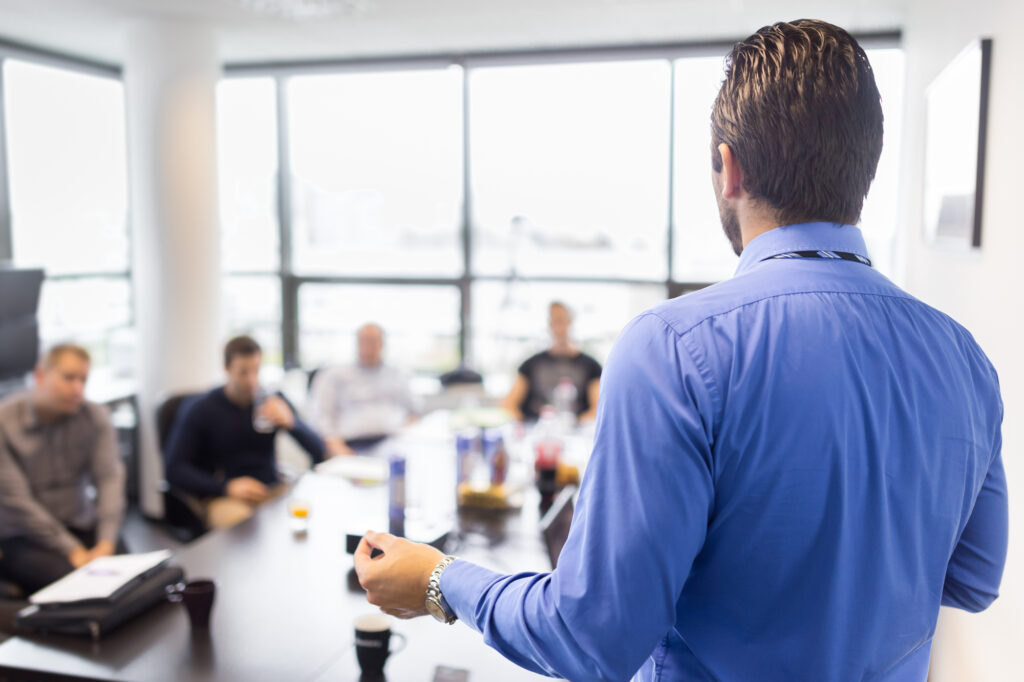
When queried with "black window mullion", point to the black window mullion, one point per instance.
{"points": [[289, 283], [466, 281]]}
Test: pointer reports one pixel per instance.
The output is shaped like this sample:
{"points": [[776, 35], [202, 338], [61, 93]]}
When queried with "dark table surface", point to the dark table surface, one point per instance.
{"points": [[285, 603]]}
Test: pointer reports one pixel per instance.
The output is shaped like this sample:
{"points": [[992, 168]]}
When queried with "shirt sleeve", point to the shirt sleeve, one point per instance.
{"points": [[642, 516], [976, 567], [305, 436], [526, 369], [20, 507], [184, 449], [109, 477]]}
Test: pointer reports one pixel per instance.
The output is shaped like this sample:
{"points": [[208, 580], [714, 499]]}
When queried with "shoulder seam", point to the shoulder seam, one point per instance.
{"points": [[719, 313], [699, 361]]}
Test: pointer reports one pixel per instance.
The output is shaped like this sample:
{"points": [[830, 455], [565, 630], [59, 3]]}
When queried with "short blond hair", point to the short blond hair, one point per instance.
{"points": [[52, 356]]}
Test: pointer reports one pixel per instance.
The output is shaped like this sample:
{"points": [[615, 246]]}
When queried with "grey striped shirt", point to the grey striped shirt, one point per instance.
{"points": [[47, 470]]}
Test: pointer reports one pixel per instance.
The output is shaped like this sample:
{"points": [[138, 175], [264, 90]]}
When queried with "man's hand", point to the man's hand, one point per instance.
{"points": [[102, 548], [247, 489], [396, 581], [336, 446], [79, 557], [276, 410]]}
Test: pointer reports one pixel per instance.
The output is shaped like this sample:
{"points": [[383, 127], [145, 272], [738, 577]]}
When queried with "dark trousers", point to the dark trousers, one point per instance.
{"points": [[32, 566]]}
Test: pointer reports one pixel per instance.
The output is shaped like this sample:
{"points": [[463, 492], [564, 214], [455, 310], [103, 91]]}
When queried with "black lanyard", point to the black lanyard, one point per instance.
{"points": [[824, 255]]}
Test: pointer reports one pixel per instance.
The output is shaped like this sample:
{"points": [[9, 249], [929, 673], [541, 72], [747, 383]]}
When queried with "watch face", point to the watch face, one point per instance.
{"points": [[435, 609]]}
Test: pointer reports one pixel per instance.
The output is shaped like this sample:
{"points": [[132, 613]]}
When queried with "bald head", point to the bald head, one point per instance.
{"points": [[370, 339]]}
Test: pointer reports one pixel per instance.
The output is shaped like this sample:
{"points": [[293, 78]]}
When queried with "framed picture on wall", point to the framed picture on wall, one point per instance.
{"points": [[954, 174]]}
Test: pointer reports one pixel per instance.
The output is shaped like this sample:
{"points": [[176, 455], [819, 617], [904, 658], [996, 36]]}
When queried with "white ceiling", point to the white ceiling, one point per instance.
{"points": [[97, 29]]}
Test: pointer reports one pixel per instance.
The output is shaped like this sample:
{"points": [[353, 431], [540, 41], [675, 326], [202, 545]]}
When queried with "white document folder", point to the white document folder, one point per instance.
{"points": [[101, 578]]}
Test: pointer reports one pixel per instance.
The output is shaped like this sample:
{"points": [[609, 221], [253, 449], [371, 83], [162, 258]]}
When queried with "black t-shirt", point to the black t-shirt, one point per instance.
{"points": [[544, 370]]}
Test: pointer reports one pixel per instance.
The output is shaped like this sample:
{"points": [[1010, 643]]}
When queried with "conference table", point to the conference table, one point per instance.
{"points": [[285, 602]]}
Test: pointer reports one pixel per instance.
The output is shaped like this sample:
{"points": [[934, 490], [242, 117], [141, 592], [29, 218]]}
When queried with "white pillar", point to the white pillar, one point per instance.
{"points": [[170, 77]]}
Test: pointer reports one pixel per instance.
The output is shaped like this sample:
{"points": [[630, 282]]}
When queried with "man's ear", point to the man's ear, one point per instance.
{"points": [[732, 174]]}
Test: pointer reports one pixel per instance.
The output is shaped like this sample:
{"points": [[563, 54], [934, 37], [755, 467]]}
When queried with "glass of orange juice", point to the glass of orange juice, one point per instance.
{"points": [[298, 512]]}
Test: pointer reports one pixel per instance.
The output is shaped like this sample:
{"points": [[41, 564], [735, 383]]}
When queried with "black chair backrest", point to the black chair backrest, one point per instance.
{"points": [[460, 375], [311, 377], [167, 412]]}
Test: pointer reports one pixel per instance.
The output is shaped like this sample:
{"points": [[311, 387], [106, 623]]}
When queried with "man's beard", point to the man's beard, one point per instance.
{"points": [[730, 224]]}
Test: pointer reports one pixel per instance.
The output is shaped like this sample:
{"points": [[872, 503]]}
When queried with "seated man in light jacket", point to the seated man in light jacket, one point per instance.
{"points": [[355, 406], [53, 445]]}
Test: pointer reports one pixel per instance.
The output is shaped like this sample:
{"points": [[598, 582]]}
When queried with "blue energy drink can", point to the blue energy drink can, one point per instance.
{"points": [[465, 447], [396, 495]]}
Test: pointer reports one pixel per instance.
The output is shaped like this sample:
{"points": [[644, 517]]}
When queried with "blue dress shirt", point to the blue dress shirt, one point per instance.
{"points": [[792, 469]]}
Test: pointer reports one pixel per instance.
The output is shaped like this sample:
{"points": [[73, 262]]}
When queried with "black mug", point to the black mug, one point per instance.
{"points": [[373, 642], [197, 596]]}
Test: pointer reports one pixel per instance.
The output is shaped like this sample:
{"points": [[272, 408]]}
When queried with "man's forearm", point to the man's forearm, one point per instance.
{"points": [[309, 440], [519, 617], [110, 506]]}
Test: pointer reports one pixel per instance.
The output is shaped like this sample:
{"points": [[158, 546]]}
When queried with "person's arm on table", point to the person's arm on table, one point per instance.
{"points": [[21, 508], [109, 477], [642, 517]]}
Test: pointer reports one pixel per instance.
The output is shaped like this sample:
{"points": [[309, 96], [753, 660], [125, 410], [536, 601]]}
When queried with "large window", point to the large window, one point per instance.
{"points": [[248, 170], [376, 173], [700, 251], [570, 169], [451, 205], [421, 323], [65, 137], [247, 174], [252, 305]]}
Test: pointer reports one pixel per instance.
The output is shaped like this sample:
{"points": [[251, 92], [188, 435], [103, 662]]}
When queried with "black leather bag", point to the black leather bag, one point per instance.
{"points": [[97, 618]]}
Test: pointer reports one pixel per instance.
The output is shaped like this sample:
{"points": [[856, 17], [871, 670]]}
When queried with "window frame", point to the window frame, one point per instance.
{"points": [[65, 62]]}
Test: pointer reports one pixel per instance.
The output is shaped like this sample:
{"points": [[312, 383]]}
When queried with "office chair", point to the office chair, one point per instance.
{"points": [[183, 512]]}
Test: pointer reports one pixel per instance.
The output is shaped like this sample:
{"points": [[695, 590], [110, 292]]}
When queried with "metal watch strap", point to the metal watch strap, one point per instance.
{"points": [[434, 588]]}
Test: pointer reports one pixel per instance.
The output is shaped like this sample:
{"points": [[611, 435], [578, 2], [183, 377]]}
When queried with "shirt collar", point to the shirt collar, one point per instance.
{"points": [[802, 237]]}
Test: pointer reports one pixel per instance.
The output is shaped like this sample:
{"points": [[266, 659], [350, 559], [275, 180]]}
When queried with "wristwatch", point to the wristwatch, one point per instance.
{"points": [[435, 602]]}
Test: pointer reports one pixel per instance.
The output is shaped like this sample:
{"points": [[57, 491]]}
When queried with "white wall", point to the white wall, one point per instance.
{"points": [[981, 290]]}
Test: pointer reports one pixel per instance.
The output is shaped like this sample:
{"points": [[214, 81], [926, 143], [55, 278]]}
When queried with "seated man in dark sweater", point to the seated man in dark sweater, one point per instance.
{"points": [[221, 448]]}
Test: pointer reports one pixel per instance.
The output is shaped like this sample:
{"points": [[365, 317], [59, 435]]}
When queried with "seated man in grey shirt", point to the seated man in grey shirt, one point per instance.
{"points": [[355, 406], [53, 445]]}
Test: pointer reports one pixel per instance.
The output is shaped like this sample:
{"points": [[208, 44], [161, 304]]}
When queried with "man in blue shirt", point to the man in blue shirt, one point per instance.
{"points": [[792, 469]]}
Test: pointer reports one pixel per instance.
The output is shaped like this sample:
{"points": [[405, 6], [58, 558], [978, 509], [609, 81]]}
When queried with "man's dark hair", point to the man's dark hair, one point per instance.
{"points": [[240, 346], [801, 113]]}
